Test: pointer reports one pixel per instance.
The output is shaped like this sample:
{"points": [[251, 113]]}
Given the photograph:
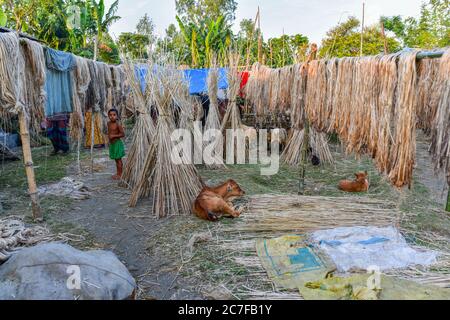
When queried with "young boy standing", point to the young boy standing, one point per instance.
{"points": [[116, 146]]}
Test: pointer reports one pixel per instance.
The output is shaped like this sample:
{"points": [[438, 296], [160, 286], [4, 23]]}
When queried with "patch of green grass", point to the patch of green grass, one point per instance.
{"points": [[48, 168]]}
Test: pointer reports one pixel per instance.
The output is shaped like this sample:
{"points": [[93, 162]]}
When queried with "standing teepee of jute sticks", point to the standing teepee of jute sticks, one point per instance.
{"points": [[232, 118], [213, 119], [172, 187], [143, 132]]}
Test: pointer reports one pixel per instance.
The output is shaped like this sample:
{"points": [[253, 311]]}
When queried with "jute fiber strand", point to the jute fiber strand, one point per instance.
{"points": [[403, 151], [363, 118], [172, 187], [11, 74], [93, 92], [315, 103], [440, 146], [427, 93], [257, 89], [80, 85], [386, 103], [143, 132], [213, 119], [34, 82], [340, 116]]}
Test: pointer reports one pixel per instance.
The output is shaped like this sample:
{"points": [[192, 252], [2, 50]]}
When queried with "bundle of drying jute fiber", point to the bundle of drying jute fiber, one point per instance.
{"points": [[386, 102], [427, 93], [143, 132], [403, 151], [80, 85], [12, 68], [362, 133], [298, 95], [213, 119], [316, 88], [440, 146], [34, 82], [341, 113], [93, 92], [257, 90], [172, 187]]}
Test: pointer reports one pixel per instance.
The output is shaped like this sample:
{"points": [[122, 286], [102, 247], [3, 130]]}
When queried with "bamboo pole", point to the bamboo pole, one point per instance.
{"points": [[29, 168]]}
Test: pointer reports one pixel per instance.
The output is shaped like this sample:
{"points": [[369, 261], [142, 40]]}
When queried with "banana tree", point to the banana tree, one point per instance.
{"points": [[205, 39], [102, 21]]}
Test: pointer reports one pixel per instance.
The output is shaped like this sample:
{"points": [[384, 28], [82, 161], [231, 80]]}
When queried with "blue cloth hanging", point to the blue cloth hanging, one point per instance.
{"points": [[58, 84]]}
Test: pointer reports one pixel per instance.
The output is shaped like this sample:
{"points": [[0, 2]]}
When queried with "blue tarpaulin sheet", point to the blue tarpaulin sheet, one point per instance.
{"points": [[197, 78]]}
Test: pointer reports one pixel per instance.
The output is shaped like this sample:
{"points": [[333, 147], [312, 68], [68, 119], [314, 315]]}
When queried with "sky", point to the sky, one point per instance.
{"points": [[309, 17]]}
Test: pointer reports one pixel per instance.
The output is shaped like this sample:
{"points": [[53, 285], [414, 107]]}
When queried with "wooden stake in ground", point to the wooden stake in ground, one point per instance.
{"points": [[447, 208], [29, 169]]}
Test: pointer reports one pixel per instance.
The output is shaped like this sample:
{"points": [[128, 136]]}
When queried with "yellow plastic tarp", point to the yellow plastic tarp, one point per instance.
{"points": [[359, 287], [290, 262]]}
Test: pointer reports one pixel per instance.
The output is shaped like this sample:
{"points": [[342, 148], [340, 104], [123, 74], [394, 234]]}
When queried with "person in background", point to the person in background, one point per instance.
{"points": [[116, 145], [57, 133]]}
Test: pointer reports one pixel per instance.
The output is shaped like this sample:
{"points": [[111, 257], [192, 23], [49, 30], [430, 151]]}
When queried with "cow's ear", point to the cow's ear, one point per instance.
{"points": [[229, 187]]}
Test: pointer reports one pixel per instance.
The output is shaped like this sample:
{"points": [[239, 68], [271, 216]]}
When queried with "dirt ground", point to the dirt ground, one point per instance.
{"points": [[157, 252]]}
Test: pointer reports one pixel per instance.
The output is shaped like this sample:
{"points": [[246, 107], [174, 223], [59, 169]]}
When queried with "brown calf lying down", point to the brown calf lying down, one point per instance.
{"points": [[213, 203], [361, 183]]}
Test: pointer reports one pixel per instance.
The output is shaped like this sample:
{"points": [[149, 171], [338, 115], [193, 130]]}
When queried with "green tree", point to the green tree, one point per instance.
{"points": [[197, 11], [286, 50], [103, 20], [205, 40], [344, 40], [134, 45], [430, 30], [146, 27], [174, 43]]}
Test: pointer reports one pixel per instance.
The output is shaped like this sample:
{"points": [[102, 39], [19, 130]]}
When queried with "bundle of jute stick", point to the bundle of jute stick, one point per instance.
{"points": [[213, 119], [80, 85], [232, 118], [440, 146], [269, 90], [144, 129], [171, 186]]}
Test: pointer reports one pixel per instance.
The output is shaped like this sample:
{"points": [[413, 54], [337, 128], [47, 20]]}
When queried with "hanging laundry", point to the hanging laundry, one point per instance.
{"points": [[58, 84]]}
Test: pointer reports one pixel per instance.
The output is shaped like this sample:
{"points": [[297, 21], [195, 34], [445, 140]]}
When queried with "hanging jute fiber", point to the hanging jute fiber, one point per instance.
{"points": [[11, 74], [427, 93], [80, 85], [34, 82], [403, 151]]}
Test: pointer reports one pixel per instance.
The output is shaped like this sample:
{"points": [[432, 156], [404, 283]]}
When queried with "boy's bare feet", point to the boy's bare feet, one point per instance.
{"points": [[116, 177]]}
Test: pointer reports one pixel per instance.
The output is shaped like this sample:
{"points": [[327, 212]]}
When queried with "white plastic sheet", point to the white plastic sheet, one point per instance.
{"points": [[369, 247]]}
